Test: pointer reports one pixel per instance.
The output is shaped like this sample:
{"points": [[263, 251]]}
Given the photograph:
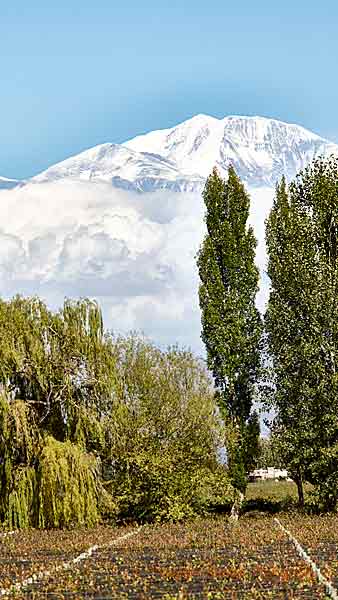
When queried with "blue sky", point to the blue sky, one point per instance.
{"points": [[78, 73]]}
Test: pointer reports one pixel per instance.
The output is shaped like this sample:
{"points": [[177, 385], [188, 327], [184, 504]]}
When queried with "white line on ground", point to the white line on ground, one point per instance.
{"points": [[4, 534], [36, 577], [303, 554]]}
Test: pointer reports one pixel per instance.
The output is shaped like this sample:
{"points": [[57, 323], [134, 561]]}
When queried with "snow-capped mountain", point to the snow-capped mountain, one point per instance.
{"points": [[7, 184], [260, 149], [180, 158], [72, 231]]}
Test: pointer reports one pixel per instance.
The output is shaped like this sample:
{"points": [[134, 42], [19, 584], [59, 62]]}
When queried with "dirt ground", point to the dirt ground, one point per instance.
{"points": [[206, 558]]}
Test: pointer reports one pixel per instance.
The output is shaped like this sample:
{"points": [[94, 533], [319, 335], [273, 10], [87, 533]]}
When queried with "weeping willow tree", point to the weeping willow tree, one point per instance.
{"points": [[68, 486], [19, 445], [59, 363], [44, 482], [56, 381], [20, 510]]}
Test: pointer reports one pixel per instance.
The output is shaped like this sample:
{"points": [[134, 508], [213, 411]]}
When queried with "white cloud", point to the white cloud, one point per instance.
{"points": [[135, 253]]}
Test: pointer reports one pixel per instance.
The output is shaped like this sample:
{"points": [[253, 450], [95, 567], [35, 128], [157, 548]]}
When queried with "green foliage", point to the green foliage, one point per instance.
{"points": [[231, 325], [19, 443], [68, 486], [59, 363], [252, 442], [302, 324], [43, 482], [21, 503]]}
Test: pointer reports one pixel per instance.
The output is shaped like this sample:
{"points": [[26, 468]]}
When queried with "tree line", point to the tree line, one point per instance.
{"points": [[96, 426], [288, 359]]}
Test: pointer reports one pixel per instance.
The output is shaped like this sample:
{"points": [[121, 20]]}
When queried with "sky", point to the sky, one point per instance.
{"points": [[77, 73]]}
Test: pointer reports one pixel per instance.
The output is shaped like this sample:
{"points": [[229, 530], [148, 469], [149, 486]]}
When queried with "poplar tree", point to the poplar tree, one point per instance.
{"points": [[231, 324], [302, 325]]}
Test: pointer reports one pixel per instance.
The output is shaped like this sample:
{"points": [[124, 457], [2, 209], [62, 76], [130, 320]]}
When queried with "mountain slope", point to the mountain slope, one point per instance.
{"points": [[123, 168]]}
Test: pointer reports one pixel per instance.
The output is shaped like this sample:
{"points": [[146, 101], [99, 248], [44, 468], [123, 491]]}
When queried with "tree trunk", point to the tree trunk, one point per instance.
{"points": [[299, 483], [236, 507]]}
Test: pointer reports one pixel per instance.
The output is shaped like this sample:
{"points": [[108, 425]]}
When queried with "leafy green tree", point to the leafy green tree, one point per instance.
{"points": [[164, 434], [56, 381], [231, 324], [270, 453], [302, 325]]}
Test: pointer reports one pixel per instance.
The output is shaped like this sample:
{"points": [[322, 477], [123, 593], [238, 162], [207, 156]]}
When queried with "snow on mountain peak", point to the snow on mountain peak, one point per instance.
{"points": [[258, 130], [260, 149]]}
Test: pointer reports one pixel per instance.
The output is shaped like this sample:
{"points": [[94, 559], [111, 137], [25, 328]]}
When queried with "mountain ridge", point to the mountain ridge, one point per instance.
{"points": [[122, 167]]}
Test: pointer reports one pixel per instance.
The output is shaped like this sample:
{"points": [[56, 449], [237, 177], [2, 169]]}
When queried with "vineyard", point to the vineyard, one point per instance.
{"points": [[206, 558]]}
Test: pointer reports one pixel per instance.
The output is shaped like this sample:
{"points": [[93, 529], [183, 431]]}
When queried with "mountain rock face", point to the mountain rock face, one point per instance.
{"points": [[179, 159], [8, 184]]}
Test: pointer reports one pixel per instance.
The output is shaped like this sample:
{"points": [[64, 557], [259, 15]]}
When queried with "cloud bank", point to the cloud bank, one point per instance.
{"points": [[134, 253]]}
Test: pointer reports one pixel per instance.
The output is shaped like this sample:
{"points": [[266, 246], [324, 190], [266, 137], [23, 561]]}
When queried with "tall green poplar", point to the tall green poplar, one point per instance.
{"points": [[231, 324], [302, 325]]}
